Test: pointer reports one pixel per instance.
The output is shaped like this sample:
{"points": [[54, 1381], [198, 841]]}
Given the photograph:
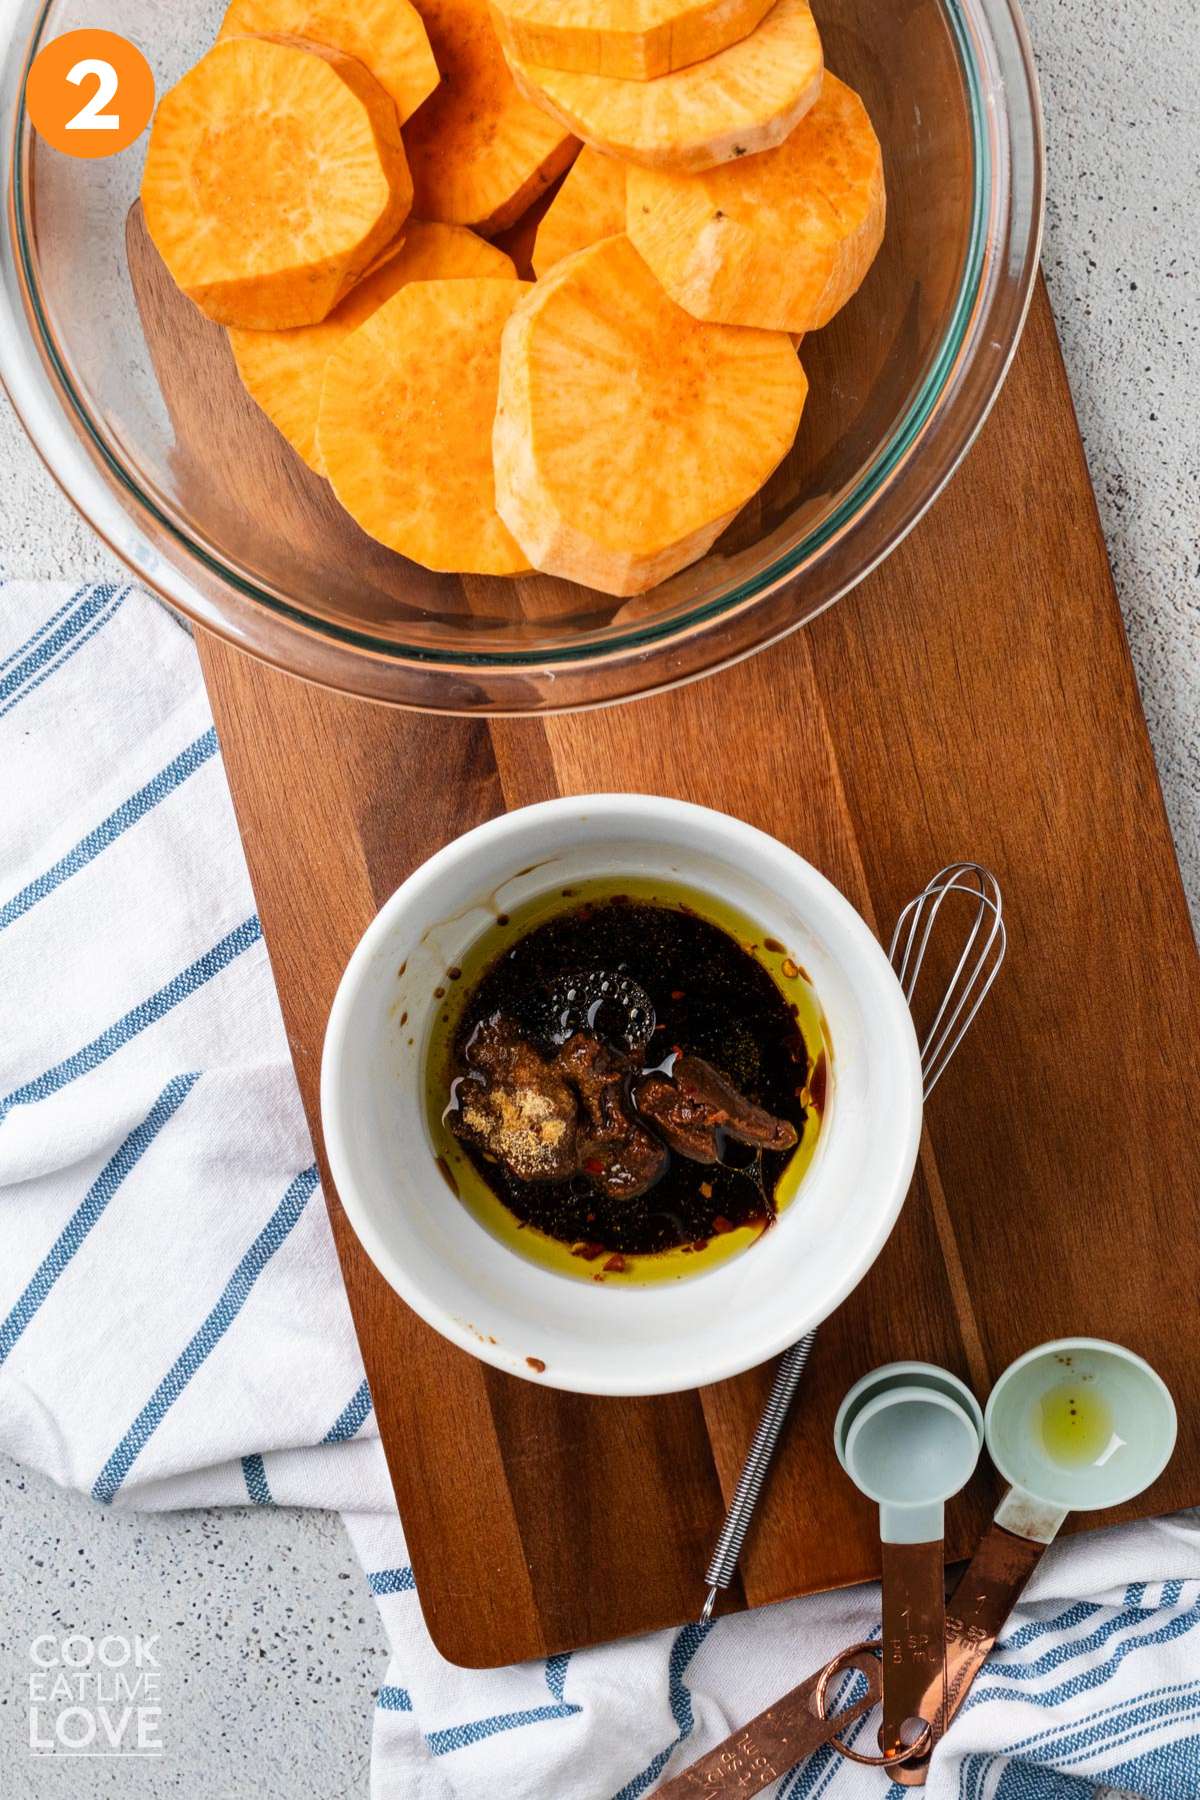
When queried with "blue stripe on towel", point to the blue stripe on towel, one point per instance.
{"points": [[234, 1297], [394, 1699], [41, 631], [255, 1476], [1075, 1614], [1177, 1625], [1010, 1670], [42, 649], [686, 1644], [1097, 1734], [98, 1051], [91, 1206], [127, 814], [352, 1416], [61, 645], [394, 1581], [556, 1674], [458, 1737]]}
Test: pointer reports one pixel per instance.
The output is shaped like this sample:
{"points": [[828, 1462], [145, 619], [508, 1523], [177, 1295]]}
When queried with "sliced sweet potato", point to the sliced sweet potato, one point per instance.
{"points": [[480, 152], [632, 39], [588, 206], [283, 370], [406, 421], [628, 434], [780, 240], [741, 101], [386, 35], [274, 176]]}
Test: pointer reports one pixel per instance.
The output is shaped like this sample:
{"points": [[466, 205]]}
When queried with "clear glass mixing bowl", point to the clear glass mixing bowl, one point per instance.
{"points": [[900, 383]]}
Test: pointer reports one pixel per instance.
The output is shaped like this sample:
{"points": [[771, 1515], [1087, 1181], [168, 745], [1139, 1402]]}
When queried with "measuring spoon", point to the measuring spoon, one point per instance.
{"points": [[1076, 1425], [909, 1436], [777, 1739]]}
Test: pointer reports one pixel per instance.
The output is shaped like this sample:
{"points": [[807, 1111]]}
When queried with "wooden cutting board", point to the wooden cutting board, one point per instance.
{"points": [[973, 698]]}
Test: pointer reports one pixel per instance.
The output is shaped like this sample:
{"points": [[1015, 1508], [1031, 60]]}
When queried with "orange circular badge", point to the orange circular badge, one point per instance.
{"points": [[90, 93]]}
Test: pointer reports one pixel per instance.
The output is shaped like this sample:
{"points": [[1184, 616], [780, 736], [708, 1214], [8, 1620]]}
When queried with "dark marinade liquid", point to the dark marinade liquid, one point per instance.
{"points": [[710, 997]]}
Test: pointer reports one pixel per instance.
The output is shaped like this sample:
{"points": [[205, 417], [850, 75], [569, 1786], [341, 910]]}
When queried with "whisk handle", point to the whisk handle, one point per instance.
{"points": [[728, 1550]]}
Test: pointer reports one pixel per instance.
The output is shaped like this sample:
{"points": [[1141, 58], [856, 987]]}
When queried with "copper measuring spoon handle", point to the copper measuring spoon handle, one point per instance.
{"points": [[985, 1595], [777, 1739], [914, 1643]]}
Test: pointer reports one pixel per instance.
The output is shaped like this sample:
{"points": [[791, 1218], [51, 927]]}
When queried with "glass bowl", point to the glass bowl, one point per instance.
{"points": [[900, 383]]}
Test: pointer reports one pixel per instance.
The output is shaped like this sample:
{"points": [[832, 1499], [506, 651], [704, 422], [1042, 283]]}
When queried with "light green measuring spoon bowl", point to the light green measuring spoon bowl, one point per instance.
{"points": [[1077, 1425]]}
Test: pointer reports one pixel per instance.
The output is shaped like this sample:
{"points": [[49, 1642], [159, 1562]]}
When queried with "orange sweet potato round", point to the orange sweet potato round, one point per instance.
{"points": [[274, 176], [629, 434], [741, 101], [632, 39], [406, 422], [386, 35], [284, 370], [780, 240], [480, 152], [589, 205]]}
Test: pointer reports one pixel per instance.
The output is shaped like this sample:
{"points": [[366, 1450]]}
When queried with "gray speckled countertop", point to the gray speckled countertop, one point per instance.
{"points": [[271, 1647]]}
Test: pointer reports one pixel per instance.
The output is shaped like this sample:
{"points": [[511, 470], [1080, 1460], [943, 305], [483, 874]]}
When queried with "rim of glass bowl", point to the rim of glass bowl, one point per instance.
{"points": [[592, 669]]}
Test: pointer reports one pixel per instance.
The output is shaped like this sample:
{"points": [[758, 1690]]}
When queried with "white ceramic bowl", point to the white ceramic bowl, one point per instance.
{"points": [[600, 1338]]}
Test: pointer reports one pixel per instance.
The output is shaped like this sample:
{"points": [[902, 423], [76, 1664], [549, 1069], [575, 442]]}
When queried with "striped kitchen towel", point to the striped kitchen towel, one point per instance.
{"points": [[173, 1330]]}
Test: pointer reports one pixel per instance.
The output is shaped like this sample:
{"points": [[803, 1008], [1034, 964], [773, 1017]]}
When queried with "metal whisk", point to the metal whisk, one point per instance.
{"points": [[976, 969]]}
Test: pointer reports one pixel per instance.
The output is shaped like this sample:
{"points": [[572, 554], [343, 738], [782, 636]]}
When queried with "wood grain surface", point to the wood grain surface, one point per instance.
{"points": [[973, 698]]}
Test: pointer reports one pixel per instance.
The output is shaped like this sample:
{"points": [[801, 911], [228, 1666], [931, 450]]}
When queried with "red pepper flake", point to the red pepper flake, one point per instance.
{"points": [[706, 1189], [677, 993], [400, 971], [616, 1264], [593, 1165], [773, 945], [454, 972], [700, 1244], [404, 1018], [790, 969], [536, 1364], [502, 918], [589, 1252], [439, 993], [721, 1225]]}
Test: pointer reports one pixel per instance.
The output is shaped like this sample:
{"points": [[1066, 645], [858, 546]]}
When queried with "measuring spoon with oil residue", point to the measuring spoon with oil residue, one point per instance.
{"points": [[1074, 1426]]}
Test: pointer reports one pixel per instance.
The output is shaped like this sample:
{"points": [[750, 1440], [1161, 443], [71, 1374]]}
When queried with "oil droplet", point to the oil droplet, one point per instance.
{"points": [[1077, 1426]]}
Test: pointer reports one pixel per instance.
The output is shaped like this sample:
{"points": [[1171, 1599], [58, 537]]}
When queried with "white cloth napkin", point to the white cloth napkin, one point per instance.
{"points": [[173, 1330]]}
